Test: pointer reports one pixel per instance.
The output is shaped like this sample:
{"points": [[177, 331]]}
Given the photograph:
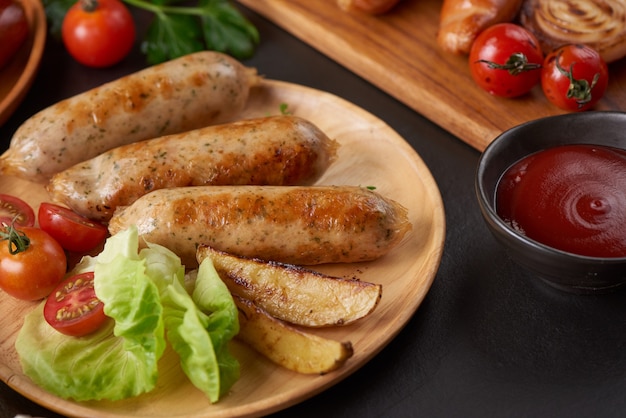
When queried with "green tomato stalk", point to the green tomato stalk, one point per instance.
{"points": [[579, 90], [516, 64]]}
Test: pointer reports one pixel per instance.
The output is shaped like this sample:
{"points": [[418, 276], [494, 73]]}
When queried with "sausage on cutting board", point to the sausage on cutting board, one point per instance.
{"points": [[461, 21], [276, 150], [186, 93], [373, 7], [303, 225]]}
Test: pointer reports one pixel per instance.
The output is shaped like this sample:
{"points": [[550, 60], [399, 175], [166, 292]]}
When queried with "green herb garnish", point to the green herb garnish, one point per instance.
{"points": [[284, 109], [181, 28]]}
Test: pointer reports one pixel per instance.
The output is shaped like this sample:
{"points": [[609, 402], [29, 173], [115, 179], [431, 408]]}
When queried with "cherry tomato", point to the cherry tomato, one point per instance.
{"points": [[13, 29], [73, 308], [73, 231], [98, 33], [32, 263], [574, 77], [15, 210], [505, 60]]}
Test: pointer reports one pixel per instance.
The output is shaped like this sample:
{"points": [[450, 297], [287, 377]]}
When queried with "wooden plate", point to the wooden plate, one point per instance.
{"points": [[17, 77], [371, 154]]}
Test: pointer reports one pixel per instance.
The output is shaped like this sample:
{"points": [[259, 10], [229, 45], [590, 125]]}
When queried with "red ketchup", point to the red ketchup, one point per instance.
{"points": [[570, 197]]}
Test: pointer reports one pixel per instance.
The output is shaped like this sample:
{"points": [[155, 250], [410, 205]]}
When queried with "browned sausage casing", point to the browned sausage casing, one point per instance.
{"points": [[196, 90], [304, 225], [374, 7], [461, 21], [278, 150]]}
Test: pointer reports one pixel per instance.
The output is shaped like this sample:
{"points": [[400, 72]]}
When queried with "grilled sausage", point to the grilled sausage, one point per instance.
{"points": [[303, 225], [186, 93], [374, 7], [278, 150], [461, 21]]}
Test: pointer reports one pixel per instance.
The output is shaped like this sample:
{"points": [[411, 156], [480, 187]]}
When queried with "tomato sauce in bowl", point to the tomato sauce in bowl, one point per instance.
{"points": [[569, 197]]}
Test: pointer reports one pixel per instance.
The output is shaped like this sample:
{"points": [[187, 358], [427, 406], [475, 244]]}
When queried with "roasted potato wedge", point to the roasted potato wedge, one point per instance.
{"points": [[292, 293], [287, 346]]}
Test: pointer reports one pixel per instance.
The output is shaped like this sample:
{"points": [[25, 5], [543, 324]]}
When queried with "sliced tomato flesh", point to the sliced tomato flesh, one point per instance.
{"points": [[15, 210], [73, 231], [73, 307]]}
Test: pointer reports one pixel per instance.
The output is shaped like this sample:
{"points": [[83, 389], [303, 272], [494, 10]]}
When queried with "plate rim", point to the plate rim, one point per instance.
{"points": [[21, 383]]}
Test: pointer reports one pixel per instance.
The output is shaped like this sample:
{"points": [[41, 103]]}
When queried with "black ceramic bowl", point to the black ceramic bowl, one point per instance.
{"points": [[561, 269]]}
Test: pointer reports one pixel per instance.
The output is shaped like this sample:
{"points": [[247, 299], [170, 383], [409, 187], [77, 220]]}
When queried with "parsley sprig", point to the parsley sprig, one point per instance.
{"points": [[181, 27]]}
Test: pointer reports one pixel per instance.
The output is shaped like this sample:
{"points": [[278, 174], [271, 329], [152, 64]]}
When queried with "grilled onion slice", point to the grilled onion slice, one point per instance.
{"points": [[600, 24]]}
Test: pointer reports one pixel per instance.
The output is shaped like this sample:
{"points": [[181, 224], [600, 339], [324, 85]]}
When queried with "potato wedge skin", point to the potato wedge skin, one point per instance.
{"points": [[287, 346], [295, 294]]}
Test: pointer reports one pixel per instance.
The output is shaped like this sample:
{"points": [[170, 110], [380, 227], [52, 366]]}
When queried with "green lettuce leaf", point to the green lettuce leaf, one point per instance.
{"points": [[132, 299], [116, 362], [212, 297], [88, 368], [145, 295], [198, 333]]}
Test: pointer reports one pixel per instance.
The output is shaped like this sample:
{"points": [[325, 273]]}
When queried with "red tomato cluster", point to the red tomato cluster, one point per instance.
{"points": [[33, 262], [506, 60]]}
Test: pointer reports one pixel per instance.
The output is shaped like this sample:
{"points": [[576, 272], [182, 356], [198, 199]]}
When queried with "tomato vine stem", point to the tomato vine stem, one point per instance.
{"points": [[579, 90], [516, 64], [17, 240], [162, 9]]}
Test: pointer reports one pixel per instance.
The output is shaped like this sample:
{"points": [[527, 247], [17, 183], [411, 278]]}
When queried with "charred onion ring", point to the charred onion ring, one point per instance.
{"points": [[599, 24]]}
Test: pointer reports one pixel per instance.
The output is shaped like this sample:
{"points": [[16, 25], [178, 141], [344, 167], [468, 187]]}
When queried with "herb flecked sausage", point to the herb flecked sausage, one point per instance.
{"points": [[187, 93], [277, 150], [304, 225]]}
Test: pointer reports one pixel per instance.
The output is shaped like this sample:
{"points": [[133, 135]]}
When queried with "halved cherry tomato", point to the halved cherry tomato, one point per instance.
{"points": [[574, 77], [505, 60], [98, 33], [32, 263], [73, 307], [73, 231], [15, 210]]}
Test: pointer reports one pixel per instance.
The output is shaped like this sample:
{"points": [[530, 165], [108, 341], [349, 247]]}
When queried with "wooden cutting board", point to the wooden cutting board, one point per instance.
{"points": [[398, 53]]}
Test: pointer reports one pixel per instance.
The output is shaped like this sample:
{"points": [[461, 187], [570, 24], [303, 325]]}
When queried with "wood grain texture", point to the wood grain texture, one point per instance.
{"points": [[398, 53], [19, 74], [370, 154]]}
